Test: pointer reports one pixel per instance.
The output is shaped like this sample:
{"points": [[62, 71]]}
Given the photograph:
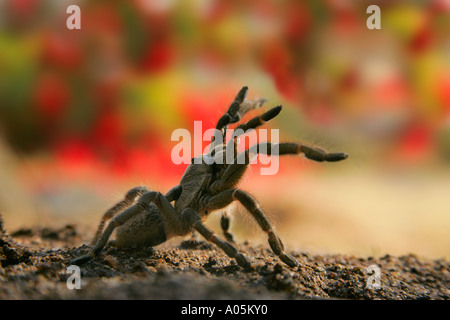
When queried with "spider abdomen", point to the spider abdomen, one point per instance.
{"points": [[144, 230]]}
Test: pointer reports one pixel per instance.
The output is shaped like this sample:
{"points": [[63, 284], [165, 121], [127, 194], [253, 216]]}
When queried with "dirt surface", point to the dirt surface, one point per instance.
{"points": [[34, 262]]}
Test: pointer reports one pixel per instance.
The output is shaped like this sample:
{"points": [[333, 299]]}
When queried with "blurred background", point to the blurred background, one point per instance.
{"points": [[87, 114]]}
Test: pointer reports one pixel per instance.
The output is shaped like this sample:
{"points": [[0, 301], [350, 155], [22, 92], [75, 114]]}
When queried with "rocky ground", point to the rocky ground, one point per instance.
{"points": [[34, 261]]}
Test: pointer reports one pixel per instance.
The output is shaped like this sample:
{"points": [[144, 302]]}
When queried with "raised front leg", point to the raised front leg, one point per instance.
{"points": [[291, 148], [231, 149], [233, 115], [235, 112]]}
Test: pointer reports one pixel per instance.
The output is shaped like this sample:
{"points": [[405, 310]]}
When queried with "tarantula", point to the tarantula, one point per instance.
{"points": [[150, 218]]}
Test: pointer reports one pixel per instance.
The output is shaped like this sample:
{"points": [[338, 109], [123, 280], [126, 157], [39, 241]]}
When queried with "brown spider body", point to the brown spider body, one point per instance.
{"points": [[148, 218], [194, 184], [143, 230], [148, 228]]}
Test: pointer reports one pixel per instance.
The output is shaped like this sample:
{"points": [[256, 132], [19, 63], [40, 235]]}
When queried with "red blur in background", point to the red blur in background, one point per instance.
{"points": [[111, 93], [84, 113], [91, 95]]}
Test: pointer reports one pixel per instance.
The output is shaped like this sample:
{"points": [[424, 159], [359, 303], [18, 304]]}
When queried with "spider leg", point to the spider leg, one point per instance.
{"points": [[225, 225], [224, 198], [103, 239], [292, 148], [193, 219], [174, 193], [257, 121], [244, 128], [174, 225], [236, 111], [127, 201], [234, 171], [232, 115]]}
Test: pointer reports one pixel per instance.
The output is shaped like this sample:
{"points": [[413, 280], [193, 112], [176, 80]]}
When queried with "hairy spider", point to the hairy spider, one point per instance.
{"points": [[149, 218]]}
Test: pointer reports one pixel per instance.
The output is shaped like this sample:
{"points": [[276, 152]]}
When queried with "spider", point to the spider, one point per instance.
{"points": [[150, 218]]}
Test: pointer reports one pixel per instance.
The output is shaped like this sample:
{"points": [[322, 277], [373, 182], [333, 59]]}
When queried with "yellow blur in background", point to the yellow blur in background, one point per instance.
{"points": [[86, 114]]}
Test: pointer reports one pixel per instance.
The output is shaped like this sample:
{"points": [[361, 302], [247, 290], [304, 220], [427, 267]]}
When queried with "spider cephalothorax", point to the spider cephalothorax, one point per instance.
{"points": [[149, 218]]}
